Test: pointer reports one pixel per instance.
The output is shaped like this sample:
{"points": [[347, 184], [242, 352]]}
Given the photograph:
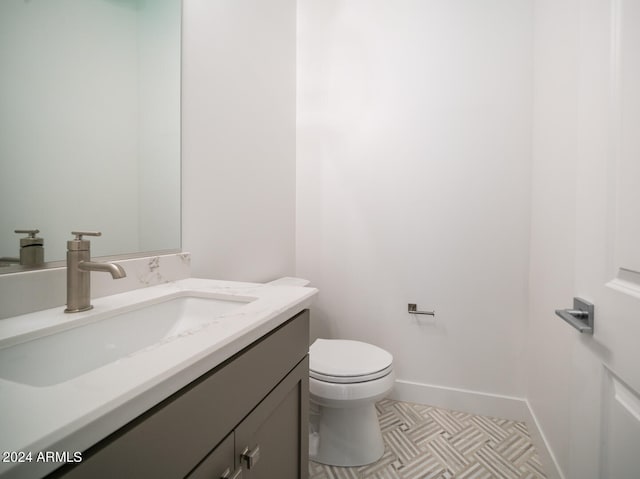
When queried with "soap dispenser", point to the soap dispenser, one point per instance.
{"points": [[31, 248]]}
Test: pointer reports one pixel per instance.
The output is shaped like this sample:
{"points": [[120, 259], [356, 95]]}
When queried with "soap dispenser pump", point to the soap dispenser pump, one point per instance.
{"points": [[31, 248]]}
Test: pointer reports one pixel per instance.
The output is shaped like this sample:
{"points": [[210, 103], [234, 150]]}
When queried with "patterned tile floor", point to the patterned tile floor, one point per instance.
{"points": [[425, 442]]}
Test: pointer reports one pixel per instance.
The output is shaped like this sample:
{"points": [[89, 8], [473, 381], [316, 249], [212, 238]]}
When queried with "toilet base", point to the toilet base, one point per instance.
{"points": [[349, 436]]}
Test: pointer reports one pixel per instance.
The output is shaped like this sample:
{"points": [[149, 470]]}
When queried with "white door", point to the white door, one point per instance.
{"points": [[605, 388]]}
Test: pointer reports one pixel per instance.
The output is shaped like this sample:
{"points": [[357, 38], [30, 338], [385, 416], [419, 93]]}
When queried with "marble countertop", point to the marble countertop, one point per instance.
{"points": [[70, 416]]}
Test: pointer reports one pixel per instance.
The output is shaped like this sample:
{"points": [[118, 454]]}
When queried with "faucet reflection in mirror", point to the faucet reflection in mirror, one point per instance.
{"points": [[79, 267], [31, 250]]}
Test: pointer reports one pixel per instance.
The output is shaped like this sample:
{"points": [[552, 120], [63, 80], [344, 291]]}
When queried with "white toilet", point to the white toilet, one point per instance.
{"points": [[346, 378]]}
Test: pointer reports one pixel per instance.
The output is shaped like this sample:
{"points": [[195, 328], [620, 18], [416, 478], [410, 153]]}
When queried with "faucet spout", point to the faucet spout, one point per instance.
{"points": [[115, 269]]}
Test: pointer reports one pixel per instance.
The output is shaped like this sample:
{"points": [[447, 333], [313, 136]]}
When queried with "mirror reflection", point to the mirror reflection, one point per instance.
{"points": [[89, 126]]}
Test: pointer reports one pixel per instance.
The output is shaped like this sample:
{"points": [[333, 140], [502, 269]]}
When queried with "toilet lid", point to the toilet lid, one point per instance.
{"points": [[341, 360]]}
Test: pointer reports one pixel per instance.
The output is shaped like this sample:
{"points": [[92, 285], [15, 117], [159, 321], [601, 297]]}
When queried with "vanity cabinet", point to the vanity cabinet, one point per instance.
{"points": [[246, 418]]}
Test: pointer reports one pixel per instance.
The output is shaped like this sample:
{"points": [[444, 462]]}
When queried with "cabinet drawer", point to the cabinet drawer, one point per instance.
{"points": [[174, 436]]}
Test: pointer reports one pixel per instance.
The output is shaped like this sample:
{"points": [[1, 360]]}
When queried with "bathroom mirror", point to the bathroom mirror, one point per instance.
{"points": [[90, 125]]}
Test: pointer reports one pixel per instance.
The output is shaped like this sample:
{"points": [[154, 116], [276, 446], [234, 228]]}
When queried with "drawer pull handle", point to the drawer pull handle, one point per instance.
{"points": [[250, 458]]}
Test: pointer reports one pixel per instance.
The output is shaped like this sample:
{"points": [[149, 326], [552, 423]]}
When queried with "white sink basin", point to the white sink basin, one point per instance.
{"points": [[64, 355]]}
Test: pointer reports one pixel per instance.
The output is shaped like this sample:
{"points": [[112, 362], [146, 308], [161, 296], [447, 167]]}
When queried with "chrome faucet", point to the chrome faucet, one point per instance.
{"points": [[79, 266]]}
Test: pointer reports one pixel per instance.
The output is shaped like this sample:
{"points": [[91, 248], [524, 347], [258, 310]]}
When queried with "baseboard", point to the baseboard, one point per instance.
{"points": [[462, 400], [495, 405]]}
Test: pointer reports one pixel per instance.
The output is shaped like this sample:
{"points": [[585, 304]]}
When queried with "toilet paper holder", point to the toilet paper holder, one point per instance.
{"points": [[413, 309]]}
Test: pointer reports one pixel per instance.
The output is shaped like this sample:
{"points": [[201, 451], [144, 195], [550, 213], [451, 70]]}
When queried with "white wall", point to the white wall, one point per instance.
{"points": [[553, 227], [238, 148], [413, 181]]}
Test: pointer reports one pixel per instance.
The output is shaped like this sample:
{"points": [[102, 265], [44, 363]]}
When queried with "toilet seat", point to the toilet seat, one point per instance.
{"points": [[346, 362], [350, 379]]}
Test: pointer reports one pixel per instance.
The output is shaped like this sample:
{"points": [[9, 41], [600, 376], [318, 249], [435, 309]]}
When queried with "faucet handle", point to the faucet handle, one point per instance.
{"points": [[79, 244], [31, 233], [30, 239], [80, 234]]}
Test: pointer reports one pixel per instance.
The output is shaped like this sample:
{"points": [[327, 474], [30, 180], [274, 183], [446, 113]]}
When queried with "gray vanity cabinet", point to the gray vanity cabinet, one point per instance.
{"points": [[265, 440], [247, 418]]}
